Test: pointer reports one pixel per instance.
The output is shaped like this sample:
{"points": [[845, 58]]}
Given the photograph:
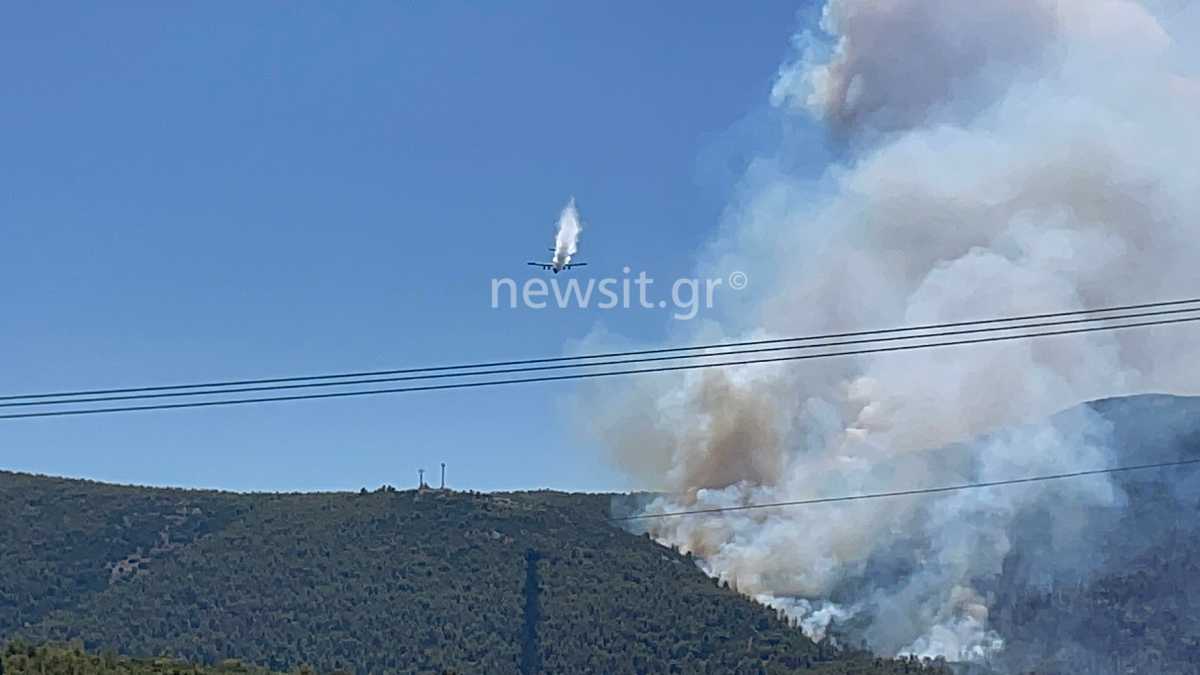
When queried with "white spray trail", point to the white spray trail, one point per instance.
{"points": [[566, 240], [998, 157]]}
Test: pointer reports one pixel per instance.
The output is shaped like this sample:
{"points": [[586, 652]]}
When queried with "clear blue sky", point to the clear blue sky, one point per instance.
{"points": [[197, 191]]}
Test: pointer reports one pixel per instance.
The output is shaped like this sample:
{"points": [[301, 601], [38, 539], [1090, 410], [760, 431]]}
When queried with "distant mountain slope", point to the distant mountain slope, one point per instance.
{"points": [[382, 582], [1136, 609], [1110, 587]]}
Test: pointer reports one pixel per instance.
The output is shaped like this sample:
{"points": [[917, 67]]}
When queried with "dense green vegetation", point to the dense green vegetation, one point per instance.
{"points": [[66, 540], [21, 659], [386, 581]]}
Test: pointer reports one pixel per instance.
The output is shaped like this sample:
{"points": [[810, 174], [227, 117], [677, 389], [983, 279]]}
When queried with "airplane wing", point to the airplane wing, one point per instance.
{"points": [[570, 265], [544, 266]]}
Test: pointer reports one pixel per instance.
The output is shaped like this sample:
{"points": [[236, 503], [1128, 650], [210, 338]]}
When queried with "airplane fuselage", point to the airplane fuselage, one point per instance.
{"points": [[558, 262]]}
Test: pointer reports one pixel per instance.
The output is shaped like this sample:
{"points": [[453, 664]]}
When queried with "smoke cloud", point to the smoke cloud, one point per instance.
{"points": [[994, 158], [566, 239]]}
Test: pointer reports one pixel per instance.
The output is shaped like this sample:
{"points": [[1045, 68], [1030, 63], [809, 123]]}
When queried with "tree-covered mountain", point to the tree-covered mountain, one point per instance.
{"points": [[542, 582], [387, 581]]}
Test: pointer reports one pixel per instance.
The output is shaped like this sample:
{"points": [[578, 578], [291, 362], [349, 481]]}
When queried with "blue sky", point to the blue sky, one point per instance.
{"points": [[223, 190]]}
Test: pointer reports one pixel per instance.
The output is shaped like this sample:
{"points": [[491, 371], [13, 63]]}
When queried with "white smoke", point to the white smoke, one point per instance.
{"points": [[998, 157], [566, 239]]}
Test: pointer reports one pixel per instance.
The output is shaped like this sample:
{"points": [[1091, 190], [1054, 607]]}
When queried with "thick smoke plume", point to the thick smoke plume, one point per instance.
{"points": [[566, 239], [995, 157]]}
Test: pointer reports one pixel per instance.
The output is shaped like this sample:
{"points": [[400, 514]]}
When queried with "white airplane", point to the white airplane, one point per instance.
{"points": [[557, 263]]}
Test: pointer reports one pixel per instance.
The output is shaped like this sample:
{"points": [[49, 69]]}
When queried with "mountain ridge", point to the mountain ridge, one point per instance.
{"points": [[387, 581], [536, 581]]}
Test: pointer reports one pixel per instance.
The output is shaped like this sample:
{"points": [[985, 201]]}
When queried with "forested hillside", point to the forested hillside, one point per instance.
{"points": [[540, 582], [385, 581], [21, 659], [66, 540]]}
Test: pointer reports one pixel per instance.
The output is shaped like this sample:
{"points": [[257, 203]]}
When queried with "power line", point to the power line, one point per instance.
{"points": [[588, 357], [907, 493], [582, 376], [616, 362]]}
